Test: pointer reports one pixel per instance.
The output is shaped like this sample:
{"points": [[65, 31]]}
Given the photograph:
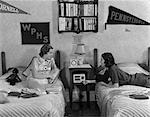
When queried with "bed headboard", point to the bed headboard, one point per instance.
{"points": [[3, 62], [57, 59], [95, 59], [148, 58], [4, 67]]}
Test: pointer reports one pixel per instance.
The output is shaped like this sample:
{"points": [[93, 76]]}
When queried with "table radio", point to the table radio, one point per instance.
{"points": [[78, 78]]}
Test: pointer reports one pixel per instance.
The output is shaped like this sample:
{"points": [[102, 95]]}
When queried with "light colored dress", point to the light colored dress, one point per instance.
{"points": [[39, 70]]}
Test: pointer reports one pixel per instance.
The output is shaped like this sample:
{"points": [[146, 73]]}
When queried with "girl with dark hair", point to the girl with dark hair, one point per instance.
{"points": [[42, 73], [45, 49], [102, 73], [117, 76]]}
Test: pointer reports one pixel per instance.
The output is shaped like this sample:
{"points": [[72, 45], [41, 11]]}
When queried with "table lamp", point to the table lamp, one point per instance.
{"points": [[80, 51]]}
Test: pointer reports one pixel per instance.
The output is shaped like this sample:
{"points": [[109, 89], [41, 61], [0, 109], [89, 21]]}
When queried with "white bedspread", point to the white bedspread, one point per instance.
{"points": [[50, 105], [46, 105], [115, 102]]}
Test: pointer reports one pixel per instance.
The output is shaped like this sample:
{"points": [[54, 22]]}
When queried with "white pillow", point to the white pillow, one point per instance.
{"points": [[4, 85], [132, 68], [3, 98], [4, 76]]}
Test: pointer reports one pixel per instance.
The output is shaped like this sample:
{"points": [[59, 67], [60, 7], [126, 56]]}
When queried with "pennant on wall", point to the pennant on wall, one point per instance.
{"points": [[7, 8], [117, 16], [35, 33]]}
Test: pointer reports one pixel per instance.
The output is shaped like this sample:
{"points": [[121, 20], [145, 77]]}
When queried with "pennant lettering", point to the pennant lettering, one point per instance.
{"points": [[7, 8], [35, 33], [117, 16]]}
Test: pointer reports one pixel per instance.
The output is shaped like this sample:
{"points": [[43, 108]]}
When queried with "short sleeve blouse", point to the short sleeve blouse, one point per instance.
{"points": [[41, 65]]}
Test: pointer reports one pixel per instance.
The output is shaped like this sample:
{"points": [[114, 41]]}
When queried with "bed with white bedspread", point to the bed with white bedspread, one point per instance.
{"points": [[116, 102], [42, 105], [127, 100]]}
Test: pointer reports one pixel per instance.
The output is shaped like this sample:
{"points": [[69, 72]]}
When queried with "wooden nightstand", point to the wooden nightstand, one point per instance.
{"points": [[77, 75]]}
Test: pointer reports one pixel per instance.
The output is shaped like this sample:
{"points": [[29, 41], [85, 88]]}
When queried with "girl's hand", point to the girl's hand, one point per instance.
{"points": [[49, 80], [102, 71], [85, 82]]}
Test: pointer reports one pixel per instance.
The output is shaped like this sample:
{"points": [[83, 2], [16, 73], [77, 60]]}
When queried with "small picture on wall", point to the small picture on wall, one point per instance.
{"points": [[35, 33]]}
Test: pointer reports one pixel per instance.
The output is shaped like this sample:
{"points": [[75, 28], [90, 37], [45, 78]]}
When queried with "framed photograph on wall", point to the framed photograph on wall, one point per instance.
{"points": [[35, 33]]}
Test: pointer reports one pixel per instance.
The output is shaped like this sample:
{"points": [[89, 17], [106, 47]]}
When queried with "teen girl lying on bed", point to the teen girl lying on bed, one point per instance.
{"points": [[117, 76], [112, 76]]}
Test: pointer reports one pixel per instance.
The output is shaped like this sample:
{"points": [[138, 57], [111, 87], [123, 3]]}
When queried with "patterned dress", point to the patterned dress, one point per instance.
{"points": [[38, 72]]}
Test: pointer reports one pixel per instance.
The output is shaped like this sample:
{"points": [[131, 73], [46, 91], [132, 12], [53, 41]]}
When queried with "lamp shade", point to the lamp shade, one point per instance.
{"points": [[80, 49]]}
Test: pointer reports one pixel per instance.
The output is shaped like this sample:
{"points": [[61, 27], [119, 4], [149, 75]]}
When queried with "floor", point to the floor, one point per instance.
{"points": [[83, 110]]}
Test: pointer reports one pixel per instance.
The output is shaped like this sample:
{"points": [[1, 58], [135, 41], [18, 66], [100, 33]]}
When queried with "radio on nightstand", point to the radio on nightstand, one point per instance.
{"points": [[78, 78]]}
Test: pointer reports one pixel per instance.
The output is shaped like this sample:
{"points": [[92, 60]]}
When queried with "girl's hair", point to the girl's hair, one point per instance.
{"points": [[45, 49], [109, 59]]}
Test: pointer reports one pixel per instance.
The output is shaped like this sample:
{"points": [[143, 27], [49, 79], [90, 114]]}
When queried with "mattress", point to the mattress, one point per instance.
{"points": [[117, 102]]}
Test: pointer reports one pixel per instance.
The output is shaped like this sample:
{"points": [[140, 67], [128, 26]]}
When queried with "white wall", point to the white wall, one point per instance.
{"points": [[126, 46]]}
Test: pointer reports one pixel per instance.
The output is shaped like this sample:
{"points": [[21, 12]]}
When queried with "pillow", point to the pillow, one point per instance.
{"points": [[4, 86], [132, 68], [4, 76], [3, 98]]}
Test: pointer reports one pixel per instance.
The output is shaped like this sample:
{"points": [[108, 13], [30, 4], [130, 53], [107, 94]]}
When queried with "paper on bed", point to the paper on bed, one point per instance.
{"points": [[54, 89]]}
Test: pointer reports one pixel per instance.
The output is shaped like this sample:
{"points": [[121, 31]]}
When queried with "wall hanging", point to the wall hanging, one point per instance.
{"points": [[117, 16], [35, 33], [7, 8]]}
